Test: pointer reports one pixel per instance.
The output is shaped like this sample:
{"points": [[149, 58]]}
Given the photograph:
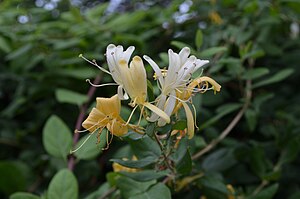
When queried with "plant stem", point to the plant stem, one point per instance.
{"points": [[80, 118], [163, 152], [231, 125]]}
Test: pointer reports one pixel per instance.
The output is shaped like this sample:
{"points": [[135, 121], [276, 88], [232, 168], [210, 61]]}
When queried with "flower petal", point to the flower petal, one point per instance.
{"points": [[158, 111], [109, 106], [190, 120], [96, 119]]}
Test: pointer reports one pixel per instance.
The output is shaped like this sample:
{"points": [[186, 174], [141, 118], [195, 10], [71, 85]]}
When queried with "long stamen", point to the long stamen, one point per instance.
{"points": [[141, 113], [73, 151], [131, 114], [88, 129], [195, 115], [95, 64], [108, 142], [100, 85]]}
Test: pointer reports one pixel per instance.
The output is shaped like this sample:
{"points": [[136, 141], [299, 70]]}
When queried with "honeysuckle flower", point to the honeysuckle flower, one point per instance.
{"points": [[106, 114], [131, 79], [175, 78], [177, 86], [135, 84]]}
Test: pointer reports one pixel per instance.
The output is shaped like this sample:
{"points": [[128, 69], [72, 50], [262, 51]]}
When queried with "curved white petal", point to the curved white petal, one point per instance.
{"points": [[155, 68], [121, 94], [161, 102]]}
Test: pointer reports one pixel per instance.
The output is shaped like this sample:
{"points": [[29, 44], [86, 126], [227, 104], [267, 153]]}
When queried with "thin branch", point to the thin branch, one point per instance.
{"points": [[83, 108], [231, 125], [163, 152]]}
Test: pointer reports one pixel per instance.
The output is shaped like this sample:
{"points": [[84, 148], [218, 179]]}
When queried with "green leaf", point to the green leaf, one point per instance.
{"points": [[219, 160], [130, 187], [20, 51], [136, 163], [157, 191], [221, 111], [23, 195], [199, 39], [255, 73], [251, 117], [4, 46], [212, 51], [180, 125], [145, 175], [63, 185], [12, 178], [57, 137], [91, 148], [145, 147], [184, 166], [68, 96], [99, 192], [150, 129], [281, 75], [266, 193], [213, 182]]}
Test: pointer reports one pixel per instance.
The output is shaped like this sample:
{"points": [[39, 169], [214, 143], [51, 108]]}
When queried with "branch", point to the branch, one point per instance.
{"points": [[231, 125], [80, 118]]}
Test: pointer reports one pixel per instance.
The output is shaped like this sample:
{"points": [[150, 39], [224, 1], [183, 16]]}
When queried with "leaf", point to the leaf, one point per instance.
{"points": [[184, 166], [91, 148], [63, 185], [266, 193], [99, 192], [157, 191], [23, 195], [12, 178], [251, 117], [130, 187], [145, 175], [68, 96], [145, 147], [4, 46], [20, 51], [150, 129], [212, 51], [213, 182], [180, 125], [136, 163], [255, 73], [281, 75], [199, 39], [221, 111], [57, 137], [219, 160]]}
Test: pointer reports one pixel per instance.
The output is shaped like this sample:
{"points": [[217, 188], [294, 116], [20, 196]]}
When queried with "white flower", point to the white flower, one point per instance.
{"points": [[181, 67]]}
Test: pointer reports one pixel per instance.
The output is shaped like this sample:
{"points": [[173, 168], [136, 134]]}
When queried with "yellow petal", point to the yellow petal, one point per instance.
{"points": [[216, 86], [117, 128], [109, 106], [96, 119], [190, 120], [158, 111]]}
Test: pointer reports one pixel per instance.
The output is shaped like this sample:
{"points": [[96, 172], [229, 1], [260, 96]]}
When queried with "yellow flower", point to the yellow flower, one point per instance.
{"points": [[117, 167], [215, 17], [135, 84], [106, 114], [185, 95]]}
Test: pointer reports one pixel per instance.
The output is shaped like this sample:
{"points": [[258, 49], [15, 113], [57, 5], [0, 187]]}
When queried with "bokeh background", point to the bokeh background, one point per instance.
{"points": [[253, 47]]}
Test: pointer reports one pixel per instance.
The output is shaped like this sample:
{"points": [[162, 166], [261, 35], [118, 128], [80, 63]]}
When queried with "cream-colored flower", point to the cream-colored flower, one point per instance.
{"points": [[181, 67]]}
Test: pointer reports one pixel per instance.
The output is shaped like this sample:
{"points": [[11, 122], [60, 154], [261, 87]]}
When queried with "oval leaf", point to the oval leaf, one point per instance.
{"points": [[68, 96], [63, 185], [57, 137]]}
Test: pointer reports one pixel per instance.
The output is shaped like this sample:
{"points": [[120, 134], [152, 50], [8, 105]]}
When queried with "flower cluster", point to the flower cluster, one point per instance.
{"points": [[175, 83]]}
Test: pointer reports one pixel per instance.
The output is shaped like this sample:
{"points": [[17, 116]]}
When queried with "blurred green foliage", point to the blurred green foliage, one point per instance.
{"points": [[253, 47]]}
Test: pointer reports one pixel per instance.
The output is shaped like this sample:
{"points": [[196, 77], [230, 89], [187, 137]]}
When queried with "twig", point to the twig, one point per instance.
{"points": [[165, 156], [231, 125], [83, 108]]}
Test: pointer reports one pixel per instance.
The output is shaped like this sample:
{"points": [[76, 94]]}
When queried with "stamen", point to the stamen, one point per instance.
{"points": [[141, 113], [108, 142], [100, 85], [95, 64], [131, 114], [73, 151], [195, 116]]}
